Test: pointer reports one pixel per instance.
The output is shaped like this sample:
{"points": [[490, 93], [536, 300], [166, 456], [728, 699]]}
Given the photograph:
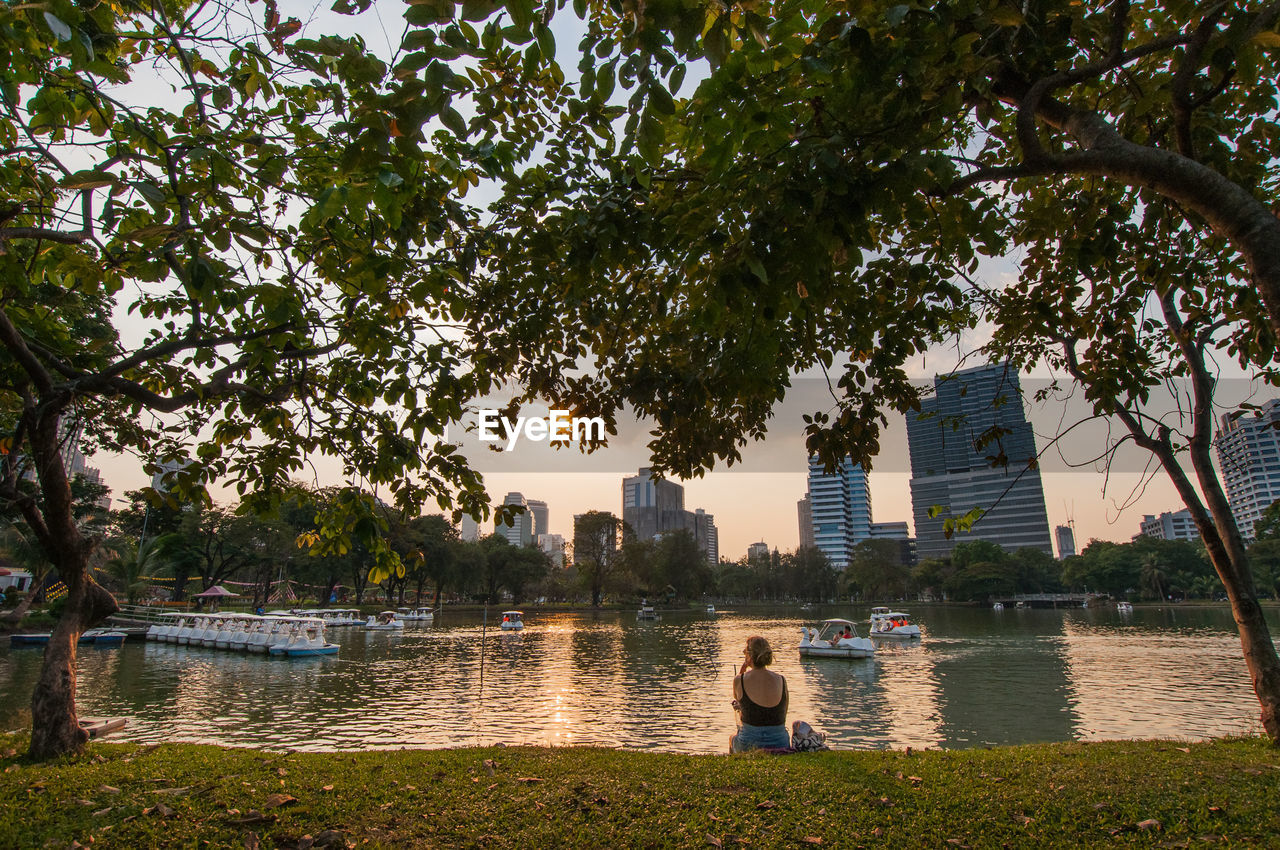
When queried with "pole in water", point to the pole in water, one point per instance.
{"points": [[484, 624]]}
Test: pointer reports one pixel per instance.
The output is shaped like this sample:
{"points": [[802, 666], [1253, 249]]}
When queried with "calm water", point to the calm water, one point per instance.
{"points": [[978, 677]]}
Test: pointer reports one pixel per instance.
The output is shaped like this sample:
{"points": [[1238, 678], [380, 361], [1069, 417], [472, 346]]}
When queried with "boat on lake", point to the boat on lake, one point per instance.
{"points": [[512, 620], [711, 609], [417, 615], [103, 637], [29, 639], [1124, 607], [998, 606], [828, 641], [892, 624], [305, 638], [385, 622], [647, 612]]}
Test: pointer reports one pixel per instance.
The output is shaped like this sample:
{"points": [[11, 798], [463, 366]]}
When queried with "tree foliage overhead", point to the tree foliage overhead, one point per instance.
{"points": [[229, 241]]}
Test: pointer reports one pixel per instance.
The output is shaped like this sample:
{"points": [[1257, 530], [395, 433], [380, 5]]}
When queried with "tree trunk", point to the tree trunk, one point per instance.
{"points": [[55, 727]]}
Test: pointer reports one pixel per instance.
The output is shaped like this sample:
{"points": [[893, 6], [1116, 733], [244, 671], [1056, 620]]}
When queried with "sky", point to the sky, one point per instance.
{"points": [[756, 501]]}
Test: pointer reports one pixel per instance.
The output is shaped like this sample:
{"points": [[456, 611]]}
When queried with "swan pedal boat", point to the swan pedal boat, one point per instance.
{"points": [[892, 624], [306, 638], [824, 641], [512, 620], [384, 622]]}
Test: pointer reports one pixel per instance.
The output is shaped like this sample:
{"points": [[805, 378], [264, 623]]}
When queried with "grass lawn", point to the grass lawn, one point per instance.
{"points": [[1150, 793]]}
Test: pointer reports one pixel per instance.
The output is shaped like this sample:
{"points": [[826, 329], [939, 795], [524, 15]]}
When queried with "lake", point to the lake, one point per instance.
{"points": [[977, 678]]}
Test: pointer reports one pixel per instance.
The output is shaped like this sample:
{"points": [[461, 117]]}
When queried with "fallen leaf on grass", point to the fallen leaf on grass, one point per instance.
{"points": [[1253, 771], [252, 818], [1150, 823], [100, 812], [491, 787], [1183, 749], [280, 771], [326, 788], [713, 841], [1024, 820], [490, 766], [811, 839], [767, 804], [85, 803], [957, 842], [251, 841], [528, 779], [1216, 810], [11, 768], [714, 818], [877, 832], [915, 780], [275, 801], [172, 792], [159, 809]]}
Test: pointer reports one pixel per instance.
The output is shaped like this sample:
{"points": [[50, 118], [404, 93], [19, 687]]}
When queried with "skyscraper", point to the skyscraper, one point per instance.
{"points": [[651, 506], [840, 508], [520, 531], [974, 417], [541, 517], [1066, 541], [1249, 455], [707, 535], [804, 513]]}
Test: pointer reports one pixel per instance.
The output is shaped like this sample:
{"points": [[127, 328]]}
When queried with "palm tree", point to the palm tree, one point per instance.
{"points": [[1153, 576], [134, 569], [25, 554]]}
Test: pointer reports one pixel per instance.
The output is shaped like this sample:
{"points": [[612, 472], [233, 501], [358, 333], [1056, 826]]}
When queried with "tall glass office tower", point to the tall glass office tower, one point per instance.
{"points": [[973, 417]]}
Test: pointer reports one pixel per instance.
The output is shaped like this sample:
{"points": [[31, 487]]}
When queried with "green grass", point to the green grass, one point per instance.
{"points": [[123, 795]]}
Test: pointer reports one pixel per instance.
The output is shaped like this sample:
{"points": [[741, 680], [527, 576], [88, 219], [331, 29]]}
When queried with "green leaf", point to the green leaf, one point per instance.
{"points": [[546, 43], [757, 268], [1268, 39], [660, 99], [60, 29], [1007, 17], [88, 180], [649, 138], [521, 12], [450, 118]]}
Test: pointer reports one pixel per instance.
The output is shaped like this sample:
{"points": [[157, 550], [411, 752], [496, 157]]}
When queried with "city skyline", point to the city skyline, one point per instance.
{"points": [[756, 499]]}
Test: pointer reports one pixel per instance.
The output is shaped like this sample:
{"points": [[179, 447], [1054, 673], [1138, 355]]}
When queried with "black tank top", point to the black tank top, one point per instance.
{"points": [[757, 715]]}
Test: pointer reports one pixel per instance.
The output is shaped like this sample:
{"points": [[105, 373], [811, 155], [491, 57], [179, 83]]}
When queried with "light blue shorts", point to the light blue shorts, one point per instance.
{"points": [[759, 737]]}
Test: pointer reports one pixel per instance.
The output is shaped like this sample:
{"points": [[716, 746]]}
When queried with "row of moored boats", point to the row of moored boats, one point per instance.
{"points": [[271, 634]]}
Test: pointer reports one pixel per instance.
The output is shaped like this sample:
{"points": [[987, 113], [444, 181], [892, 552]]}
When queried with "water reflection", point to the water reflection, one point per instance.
{"points": [[978, 677]]}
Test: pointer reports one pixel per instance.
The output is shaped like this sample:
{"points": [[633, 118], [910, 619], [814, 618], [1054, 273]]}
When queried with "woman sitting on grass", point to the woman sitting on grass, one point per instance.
{"points": [[760, 696]]}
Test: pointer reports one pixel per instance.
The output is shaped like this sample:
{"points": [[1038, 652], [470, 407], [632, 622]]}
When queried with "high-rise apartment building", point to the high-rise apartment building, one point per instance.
{"points": [[1249, 455], [1066, 541], [707, 535], [974, 417], [1175, 525], [757, 551], [804, 513], [840, 508]]}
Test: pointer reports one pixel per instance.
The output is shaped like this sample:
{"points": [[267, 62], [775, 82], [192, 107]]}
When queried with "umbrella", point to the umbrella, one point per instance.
{"points": [[217, 590]]}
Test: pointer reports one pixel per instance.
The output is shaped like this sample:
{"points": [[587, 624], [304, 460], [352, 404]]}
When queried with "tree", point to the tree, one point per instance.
{"points": [[811, 575], [876, 570], [858, 161], [139, 563], [597, 539], [277, 222]]}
